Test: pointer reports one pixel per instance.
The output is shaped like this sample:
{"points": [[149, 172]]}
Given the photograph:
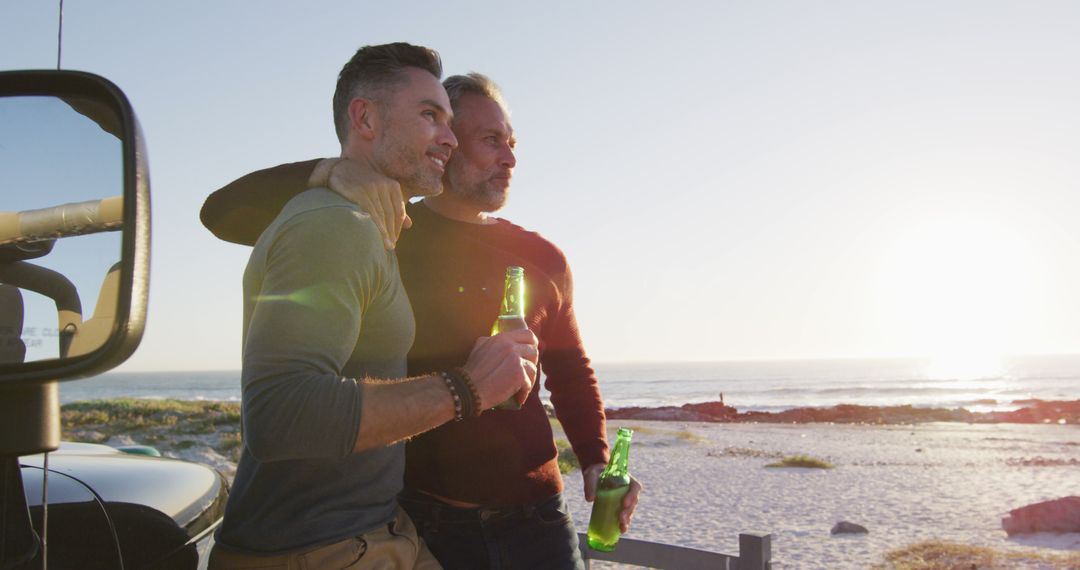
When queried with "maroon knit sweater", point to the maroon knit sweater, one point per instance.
{"points": [[453, 272]]}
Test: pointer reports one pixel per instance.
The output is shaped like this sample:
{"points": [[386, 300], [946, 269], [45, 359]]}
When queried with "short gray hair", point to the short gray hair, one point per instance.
{"points": [[457, 86], [374, 70]]}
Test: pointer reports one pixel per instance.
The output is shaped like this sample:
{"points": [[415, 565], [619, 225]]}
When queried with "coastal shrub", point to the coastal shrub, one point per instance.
{"points": [[568, 461], [86, 417], [690, 437], [229, 441], [229, 415], [163, 423], [201, 426], [126, 414], [941, 555], [801, 461]]}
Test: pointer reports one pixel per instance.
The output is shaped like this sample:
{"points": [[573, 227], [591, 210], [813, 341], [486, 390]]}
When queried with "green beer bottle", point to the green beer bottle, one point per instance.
{"points": [[613, 485], [512, 315]]}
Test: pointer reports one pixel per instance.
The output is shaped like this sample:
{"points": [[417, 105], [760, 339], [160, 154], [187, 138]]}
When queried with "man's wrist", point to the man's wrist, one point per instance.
{"points": [[460, 403], [462, 387]]}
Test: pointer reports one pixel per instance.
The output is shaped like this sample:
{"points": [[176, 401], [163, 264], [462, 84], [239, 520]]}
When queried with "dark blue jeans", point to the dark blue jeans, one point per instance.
{"points": [[540, 536]]}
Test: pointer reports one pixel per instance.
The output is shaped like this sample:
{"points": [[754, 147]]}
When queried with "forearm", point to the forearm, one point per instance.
{"points": [[391, 411], [241, 210], [575, 391], [575, 395], [580, 411]]}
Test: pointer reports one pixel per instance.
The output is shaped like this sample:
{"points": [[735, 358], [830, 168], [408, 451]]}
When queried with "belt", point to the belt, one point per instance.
{"points": [[437, 510]]}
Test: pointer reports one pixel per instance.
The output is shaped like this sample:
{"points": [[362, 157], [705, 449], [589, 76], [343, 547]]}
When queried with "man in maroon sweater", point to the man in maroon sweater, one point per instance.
{"points": [[485, 492]]}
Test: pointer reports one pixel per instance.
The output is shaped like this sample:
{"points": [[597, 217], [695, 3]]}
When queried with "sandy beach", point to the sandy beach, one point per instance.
{"points": [[707, 482]]}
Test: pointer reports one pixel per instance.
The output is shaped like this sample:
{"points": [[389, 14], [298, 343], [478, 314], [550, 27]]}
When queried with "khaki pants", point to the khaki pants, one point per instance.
{"points": [[392, 547]]}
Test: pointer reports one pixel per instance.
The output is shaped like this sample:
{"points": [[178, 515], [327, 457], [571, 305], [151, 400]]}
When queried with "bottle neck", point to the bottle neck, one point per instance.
{"points": [[617, 465], [513, 303]]}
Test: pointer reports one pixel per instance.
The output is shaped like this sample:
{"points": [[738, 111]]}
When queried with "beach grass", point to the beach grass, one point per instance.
{"points": [[568, 461], [126, 415], [941, 555], [690, 437], [230, 441], [801, 461]]}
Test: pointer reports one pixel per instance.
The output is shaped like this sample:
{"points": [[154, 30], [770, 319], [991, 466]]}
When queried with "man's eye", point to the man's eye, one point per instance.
{"points": [[429, 114]]}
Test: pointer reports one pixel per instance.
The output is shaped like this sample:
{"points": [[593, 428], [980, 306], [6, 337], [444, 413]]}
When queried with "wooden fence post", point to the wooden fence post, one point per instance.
{"points": [[755, 551]]}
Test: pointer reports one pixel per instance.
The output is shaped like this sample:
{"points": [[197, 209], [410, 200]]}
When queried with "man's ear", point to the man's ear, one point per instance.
{"points": [[363, 118]]}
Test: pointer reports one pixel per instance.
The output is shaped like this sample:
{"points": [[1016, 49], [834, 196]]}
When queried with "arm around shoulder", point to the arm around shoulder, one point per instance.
{"points": [[240, 211]]}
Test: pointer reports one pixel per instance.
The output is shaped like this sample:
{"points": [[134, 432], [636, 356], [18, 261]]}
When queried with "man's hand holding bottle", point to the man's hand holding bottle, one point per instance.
{"points": [[503, 366]]}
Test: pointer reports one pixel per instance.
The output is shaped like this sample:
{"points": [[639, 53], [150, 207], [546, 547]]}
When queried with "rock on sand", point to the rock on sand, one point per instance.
{"points": [[1058, 515]]}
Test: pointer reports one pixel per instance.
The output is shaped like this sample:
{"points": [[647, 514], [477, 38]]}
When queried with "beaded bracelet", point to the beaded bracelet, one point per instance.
{"points": [[471, 405], [454, 394]]}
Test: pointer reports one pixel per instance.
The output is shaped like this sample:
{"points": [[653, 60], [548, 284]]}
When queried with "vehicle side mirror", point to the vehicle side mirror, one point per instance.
{"points": [[74, 242]]}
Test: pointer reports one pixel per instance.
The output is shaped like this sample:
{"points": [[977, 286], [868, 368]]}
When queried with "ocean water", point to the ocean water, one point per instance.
{"points": [[747, 385]]}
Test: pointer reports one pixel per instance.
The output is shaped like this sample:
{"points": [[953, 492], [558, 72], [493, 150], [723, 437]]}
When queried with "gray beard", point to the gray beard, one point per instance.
{"points": [[478, 195]]}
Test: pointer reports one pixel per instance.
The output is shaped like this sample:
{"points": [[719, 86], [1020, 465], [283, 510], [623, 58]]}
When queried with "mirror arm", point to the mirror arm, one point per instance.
{"points": [[43, 281], [53, 285]]}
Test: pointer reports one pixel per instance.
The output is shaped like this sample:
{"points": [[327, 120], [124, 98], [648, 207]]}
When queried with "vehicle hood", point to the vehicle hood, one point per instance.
{"points": [[182, 490]]}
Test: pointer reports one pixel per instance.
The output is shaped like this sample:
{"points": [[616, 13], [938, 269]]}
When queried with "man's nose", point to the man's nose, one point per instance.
{"points": [[507, 159], [446, 137]]}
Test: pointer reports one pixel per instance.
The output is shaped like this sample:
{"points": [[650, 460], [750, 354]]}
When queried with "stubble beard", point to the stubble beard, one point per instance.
{"points": [[412, 169], [485, 195]]}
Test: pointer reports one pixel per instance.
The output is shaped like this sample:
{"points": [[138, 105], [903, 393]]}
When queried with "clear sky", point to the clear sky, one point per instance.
{"points": [[730, 180]]}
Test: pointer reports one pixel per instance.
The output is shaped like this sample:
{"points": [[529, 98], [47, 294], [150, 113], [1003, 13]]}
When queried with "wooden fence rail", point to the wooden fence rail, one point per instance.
{"points": [[755, 553]]}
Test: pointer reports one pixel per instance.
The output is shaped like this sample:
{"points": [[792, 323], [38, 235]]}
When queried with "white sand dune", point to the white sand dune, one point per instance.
{"points": [[705, 483]]}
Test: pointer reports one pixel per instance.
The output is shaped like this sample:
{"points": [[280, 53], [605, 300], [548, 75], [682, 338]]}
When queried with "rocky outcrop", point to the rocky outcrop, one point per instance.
{"points": [[845, 527], [1058, 515], [705, 412], [852, 414], [1034, 411], [1041, 412], [717, 410]]}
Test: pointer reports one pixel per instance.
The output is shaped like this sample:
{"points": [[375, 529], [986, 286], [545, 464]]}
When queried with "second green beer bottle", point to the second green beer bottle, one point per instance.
{"points": [[614, 483], [512, 314]]}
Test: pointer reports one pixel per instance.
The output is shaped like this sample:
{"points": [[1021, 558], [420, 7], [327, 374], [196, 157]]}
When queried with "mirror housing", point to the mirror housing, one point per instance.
{"points": [[29, 408]]}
